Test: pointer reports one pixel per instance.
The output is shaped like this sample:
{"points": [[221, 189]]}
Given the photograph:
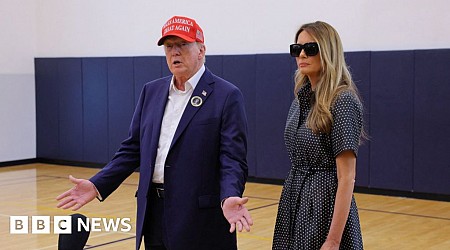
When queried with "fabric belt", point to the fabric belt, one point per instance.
{"points": [[311, 171], [158, 190]]}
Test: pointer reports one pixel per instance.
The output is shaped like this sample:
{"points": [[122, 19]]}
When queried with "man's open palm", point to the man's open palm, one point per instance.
{"points": [[82, 193], [237, 214]]}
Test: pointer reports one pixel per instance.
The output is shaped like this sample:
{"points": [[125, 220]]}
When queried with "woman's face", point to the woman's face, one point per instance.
{"points": [[308, 65]]}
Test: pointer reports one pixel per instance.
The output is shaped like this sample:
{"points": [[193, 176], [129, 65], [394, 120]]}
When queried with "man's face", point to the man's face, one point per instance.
{"points": [[183, 58]]}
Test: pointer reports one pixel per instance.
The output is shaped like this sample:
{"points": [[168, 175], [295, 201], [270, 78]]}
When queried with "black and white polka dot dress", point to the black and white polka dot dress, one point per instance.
{"points": [[307, 200]]}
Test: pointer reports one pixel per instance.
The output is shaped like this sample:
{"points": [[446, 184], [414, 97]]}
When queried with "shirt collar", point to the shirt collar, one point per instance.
{"points": [[191, 83]]}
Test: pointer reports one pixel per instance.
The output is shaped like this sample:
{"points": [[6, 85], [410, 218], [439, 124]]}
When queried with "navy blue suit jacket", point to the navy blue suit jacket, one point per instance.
{"points": [[205, 164]]}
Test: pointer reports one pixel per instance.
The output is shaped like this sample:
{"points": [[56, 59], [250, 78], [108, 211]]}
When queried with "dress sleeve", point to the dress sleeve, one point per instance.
{"points": [[347, 123]]}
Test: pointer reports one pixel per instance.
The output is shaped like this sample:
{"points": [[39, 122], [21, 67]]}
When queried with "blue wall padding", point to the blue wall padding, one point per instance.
{"points": [[120, 100], [241, 70], [432, 121], [391, 120], [215, 64], [47, 102], [359, 64], [274, 95], [84, 107], [165, 69], [95, 110], [70, 109], [146, 69]]}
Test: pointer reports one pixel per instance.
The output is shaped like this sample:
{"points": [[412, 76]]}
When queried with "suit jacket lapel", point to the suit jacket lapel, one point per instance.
{"points": [[203, 91]]}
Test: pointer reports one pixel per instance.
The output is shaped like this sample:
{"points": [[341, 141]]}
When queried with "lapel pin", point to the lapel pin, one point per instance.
{"points": [[204, 93], [196, 101]]}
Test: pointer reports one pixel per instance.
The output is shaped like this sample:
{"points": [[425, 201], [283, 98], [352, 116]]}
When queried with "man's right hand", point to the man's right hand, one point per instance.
{"points": [[82, 193]]}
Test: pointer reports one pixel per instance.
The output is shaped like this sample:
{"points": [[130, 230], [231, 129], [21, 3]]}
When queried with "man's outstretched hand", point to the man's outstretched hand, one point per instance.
{"points": [[82, 193], [237, 214]]}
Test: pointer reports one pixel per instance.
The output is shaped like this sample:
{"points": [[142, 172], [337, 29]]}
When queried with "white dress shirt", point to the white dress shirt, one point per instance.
{"points": [[176, 103]]}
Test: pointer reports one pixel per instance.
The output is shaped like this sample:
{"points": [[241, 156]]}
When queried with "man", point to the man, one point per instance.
{"points": [[189, 137]]}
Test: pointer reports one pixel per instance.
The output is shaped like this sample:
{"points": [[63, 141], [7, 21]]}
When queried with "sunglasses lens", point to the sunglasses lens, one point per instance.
{"points": [[295, 50], [311, 49]]}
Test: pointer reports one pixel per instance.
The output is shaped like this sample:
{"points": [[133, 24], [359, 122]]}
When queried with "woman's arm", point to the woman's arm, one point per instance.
{"points": [[346, 171]]}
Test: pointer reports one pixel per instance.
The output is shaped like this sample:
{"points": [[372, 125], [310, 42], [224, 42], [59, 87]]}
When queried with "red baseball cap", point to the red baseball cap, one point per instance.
{"points": [[183, 27]]}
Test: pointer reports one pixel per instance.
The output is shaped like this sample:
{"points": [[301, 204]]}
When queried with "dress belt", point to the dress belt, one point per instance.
{"points": [[312, 170]]}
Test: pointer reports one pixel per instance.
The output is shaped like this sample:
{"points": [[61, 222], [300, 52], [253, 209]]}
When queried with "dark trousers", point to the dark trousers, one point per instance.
{"points": [[154, 230]]}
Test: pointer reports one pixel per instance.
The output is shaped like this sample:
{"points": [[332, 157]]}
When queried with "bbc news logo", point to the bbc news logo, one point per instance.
{"points": [[63, 224]]}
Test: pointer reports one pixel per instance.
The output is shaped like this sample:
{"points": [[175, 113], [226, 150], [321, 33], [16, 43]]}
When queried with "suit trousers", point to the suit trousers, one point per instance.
{"points": [[154, 230]]}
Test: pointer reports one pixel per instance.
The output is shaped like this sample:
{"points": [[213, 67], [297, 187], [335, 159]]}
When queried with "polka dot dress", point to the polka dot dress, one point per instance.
{"points": [[307, 200]]}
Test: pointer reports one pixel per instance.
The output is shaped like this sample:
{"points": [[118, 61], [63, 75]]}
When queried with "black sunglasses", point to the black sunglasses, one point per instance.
{"points": [[311, 49]]}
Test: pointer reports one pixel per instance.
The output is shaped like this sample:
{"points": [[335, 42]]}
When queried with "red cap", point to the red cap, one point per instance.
{"points": [[183, 27]]}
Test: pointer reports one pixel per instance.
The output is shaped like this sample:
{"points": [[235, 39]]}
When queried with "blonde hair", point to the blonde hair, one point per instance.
{"points": [[334, 76]]}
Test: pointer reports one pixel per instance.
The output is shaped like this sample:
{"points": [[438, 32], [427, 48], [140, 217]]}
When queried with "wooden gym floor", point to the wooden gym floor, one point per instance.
{"points": [[387, 222]]}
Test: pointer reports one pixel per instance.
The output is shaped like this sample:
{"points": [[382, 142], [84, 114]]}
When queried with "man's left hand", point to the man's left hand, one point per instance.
{"points": [[237, 214]]}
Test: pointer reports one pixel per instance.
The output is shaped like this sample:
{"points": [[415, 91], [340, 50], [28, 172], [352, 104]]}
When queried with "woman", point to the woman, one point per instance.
{"points": [[317, 209]]}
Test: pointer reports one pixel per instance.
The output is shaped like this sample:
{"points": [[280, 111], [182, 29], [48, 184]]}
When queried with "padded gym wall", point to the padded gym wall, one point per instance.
{"points": [[84, 107]]}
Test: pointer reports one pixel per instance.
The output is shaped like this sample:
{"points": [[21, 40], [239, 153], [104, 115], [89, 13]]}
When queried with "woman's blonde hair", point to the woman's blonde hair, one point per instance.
{"points": [[334, 76]]}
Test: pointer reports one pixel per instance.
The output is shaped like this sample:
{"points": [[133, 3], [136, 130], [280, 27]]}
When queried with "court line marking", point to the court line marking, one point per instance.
{"points": [[21, 181], [109, 243], [263, 198], [405, 214], [265, 206], [67, 177]]}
